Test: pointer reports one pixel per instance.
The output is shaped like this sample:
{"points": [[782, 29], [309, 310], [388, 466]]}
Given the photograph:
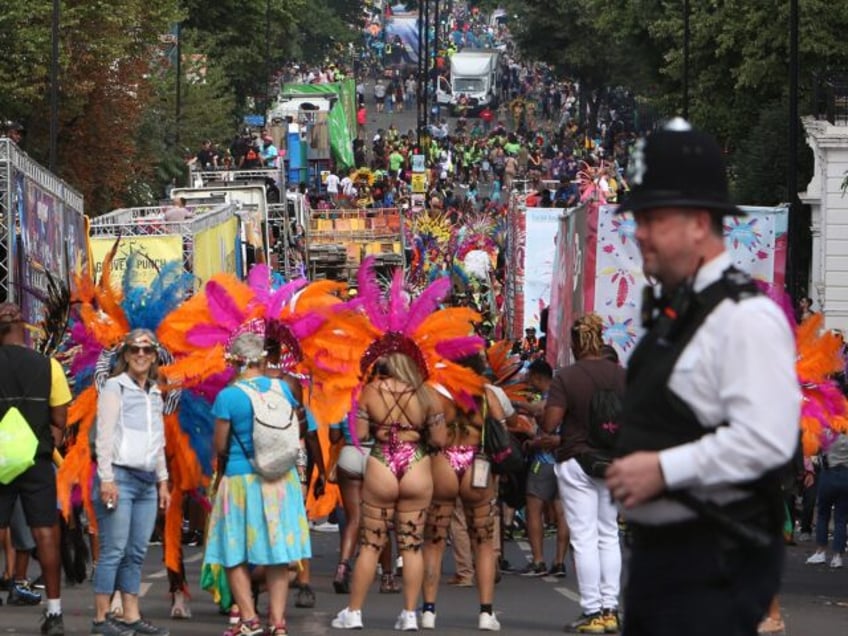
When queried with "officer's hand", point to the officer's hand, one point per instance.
{"points": [[635, 479]]}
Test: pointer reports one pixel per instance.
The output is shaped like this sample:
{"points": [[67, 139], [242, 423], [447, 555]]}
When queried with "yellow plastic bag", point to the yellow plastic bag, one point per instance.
{"points": [[17, 445]]}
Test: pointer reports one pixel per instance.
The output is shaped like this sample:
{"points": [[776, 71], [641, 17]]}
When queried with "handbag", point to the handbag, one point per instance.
{"points": [[499, 446], [17, 445]]}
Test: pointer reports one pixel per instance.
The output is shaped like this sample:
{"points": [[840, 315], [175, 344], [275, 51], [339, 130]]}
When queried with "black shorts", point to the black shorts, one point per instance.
{"points": [[36, 488]]}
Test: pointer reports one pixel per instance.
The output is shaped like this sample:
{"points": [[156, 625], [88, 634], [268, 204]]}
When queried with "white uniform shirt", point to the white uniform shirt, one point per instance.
{"points": [[739, 368]]}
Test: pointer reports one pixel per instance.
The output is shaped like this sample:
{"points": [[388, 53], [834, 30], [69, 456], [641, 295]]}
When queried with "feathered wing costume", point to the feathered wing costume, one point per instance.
{"points": [[106, 314], [507, 371], [345, 348], [199, 330], [824, 410]]}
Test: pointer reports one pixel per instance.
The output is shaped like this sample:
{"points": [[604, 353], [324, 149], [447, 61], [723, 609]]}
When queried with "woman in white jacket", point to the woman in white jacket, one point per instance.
{"points": [[131, 477]]}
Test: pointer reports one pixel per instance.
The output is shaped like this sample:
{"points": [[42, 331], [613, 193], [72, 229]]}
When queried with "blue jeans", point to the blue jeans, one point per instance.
{"points": [[124, 533], [833, 492]]}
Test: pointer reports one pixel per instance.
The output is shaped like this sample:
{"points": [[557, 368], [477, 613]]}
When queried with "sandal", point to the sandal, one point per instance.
{"points": [[278, 630], [247, 628], [342, 581], [389, 584], [305, 597]]}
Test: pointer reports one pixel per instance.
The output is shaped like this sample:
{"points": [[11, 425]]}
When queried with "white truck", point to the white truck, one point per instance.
{"points": [[475, 80]]}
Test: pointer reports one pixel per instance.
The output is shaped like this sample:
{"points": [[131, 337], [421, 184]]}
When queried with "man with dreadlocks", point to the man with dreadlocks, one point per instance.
{"points": [[589, 509]]}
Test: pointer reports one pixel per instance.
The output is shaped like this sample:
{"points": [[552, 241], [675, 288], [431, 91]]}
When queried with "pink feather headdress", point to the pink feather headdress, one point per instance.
{"points": [[376, 324]]}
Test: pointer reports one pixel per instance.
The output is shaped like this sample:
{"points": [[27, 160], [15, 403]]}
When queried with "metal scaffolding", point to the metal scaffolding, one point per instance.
{"points": [[16, 167], [149, 221]]}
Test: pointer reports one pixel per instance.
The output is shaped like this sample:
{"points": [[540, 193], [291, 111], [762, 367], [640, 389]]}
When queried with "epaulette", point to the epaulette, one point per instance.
{"points": [[739, 284]]}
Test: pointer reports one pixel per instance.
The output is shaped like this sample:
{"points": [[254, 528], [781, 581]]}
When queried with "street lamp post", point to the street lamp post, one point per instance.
{"points": [[686, 59], [794, 255], [267, 60], [179, 84], [54, 89]]}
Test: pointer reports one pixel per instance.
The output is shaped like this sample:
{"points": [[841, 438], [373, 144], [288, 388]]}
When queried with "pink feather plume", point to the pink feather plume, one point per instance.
{"points": [[222, 307], [398, 305], [457, 348]]}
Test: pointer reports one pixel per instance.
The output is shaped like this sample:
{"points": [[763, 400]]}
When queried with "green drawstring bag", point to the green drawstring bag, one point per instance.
{"points": [[17, 445]]}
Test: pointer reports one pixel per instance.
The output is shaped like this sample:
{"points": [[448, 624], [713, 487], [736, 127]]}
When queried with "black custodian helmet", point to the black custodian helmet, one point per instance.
{"points": [[678, 166]]}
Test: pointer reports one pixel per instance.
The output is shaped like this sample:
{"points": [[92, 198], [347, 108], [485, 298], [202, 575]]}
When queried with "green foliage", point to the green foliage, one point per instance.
{"points": [[761, 159], [738, 63], [207, 111], [254, 39]]}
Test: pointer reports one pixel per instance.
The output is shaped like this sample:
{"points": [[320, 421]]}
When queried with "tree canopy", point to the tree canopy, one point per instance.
{"points": [[738, 62], [117, 88]]}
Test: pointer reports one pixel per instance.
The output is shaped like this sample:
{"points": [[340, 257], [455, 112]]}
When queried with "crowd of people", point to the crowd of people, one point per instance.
{"points": [[407, 453]]}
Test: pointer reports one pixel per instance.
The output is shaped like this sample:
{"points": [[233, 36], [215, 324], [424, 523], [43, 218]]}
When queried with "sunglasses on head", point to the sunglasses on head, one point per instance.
{"points": [[144, 349]]}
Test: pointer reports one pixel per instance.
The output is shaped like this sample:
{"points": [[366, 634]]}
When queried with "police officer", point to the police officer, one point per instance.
{"points": [[711, 408]]}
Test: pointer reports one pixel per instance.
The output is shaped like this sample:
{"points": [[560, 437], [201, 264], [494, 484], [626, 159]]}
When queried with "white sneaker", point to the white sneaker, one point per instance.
{"points": [[406, 622], [348, 619], [179, 607], [428, 620], [817, 558], [836, 561], [488, 623]]}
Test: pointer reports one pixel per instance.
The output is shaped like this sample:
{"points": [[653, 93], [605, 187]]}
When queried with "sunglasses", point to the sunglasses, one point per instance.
{"points": [[143, 349]]}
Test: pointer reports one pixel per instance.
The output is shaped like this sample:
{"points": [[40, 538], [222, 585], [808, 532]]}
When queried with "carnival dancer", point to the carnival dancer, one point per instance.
{"points": [[310, 455], [454, 476], [398, 410], [256, 521], [350, 470], [711, 410], [397, 347], [201, 329]]}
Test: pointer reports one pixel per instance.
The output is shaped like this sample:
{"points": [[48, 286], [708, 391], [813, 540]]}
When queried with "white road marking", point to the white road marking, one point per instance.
{"points": [[568, 593], [194, 557], [144, 588], [524, 545]]}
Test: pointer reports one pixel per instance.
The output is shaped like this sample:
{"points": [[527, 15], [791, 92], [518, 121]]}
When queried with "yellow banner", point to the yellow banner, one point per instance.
{"points": [[156, 250], [419, 182], [215, 250]]}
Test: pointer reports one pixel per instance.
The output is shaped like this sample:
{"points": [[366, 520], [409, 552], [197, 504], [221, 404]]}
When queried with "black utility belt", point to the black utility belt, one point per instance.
{"points": [[668, 534], [739, 520]]}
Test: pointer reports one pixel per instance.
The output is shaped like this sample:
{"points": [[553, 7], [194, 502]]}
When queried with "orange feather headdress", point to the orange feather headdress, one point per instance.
{"points": [[374, 324]]}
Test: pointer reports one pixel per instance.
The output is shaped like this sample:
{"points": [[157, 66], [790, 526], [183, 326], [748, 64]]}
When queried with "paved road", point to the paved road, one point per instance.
{"points": [[812, 597]]}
